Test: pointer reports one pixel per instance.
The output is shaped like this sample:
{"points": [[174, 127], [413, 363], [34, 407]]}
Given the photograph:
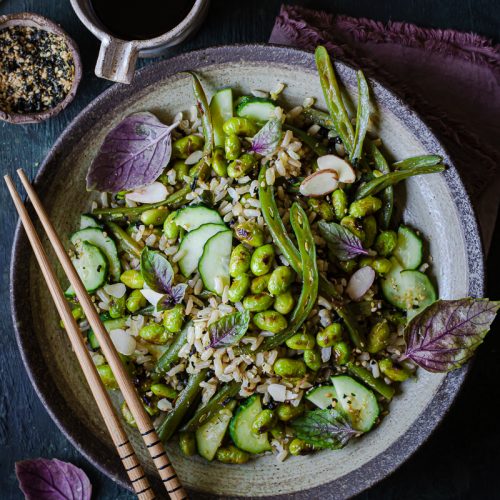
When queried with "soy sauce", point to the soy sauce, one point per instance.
{"points": [[141, 19]]}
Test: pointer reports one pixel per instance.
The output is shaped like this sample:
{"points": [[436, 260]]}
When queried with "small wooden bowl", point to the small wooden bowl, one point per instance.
{"points": [[42, 23]]}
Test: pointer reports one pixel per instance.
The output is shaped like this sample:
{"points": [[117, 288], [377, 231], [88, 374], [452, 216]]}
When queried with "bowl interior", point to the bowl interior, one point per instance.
{"points": [[429, 207]]}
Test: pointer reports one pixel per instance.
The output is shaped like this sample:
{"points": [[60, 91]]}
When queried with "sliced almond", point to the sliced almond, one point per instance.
{"points": [[320, 183], [153, 193], [344, 170]]}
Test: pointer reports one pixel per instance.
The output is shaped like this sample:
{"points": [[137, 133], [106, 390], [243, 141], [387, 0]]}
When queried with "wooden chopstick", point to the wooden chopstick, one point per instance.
{"points": [[120, 439], [153, 443]]}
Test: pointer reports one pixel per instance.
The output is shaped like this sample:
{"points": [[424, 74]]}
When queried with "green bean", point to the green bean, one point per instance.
{"points": [[380, 183], [418, 162], [212, 406], [312, 142], [309, 292], [319, 118], [376, 384], [387, 195], [127, 243], [206, 118], [134, 213], [172, 353], [362, 117], [186, 398], [333, 98], [187, 443], [287, 247]]}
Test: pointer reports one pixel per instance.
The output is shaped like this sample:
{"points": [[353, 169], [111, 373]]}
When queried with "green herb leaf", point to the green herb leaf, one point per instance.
{"points": [[324, 429], [445, 334], [341, 241], [228, 330]]}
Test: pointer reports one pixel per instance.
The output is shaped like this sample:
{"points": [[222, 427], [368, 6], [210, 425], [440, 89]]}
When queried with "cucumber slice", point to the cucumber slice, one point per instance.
{"points": [[88, 221], [221, 109], [407, 290], [210, 435], [409, 249], [258, 109], [357, 402], [98, 238], [192, 246], [91, 265], [214, 262], [240, 427], [190, 218], [322, 396]]}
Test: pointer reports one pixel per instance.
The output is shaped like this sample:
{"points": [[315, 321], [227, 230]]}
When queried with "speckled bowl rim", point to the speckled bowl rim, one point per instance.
{"points": [[386, 462], [48, 25]]}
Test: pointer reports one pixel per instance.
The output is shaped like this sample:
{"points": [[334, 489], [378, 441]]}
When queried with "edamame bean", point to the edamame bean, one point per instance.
{"points": [[219, 163], [284, 302], [170, 228], [393, 372], [281, 278], [154, 333], [339, 202], [232, 455], [232, 147], [174, 318], [330, 335], [250, 233], [259, 284], [312, 359], [163, 391], [117, 306], [347, 266], [286, 412], [132, 278], [264, 421], [386, 243], [287, 367], [154, 216], [239, 287], [355, 226], [240, 126], [258, 302], [127, 415], [239, 167], [187, 443], [278, 431], [239, 263], [183, 147], [378, 337], [135, 301], [341, 352], [107, 377], [299, 447], [365, 206], [262, 260], [271, 321], [322, 208], [370, 229], [181, 170], [301, 341]]}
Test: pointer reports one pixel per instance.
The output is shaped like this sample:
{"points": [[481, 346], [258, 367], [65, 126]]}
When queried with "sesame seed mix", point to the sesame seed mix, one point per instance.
{"points": [[36, 69]]}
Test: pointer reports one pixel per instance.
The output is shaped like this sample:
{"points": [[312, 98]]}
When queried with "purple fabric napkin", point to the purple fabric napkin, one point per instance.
{"points": [[452, 79]]}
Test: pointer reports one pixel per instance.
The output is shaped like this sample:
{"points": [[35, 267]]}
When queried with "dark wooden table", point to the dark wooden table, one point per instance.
{"points": [[461, 460]]}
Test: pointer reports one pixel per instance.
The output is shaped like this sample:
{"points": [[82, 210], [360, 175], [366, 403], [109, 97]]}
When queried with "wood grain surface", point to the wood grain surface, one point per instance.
{"points": [[460, 461]]}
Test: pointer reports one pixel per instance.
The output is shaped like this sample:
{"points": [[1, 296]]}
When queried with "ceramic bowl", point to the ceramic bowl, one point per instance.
{"points": [[436, 204], [42, 23]]}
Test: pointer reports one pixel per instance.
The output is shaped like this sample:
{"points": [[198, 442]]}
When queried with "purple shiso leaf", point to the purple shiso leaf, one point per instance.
{"points": [[341, 241], [132, 155], [229, 329], [42, 479], [445, 334], [156, 271], [266, 140]]}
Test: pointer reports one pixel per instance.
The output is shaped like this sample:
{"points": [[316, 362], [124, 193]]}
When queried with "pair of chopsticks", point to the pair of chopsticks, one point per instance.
{"points": [[120, 439]]}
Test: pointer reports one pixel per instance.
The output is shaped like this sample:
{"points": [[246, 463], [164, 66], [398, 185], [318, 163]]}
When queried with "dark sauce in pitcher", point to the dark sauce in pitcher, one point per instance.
{"points": [[141, 19]]}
